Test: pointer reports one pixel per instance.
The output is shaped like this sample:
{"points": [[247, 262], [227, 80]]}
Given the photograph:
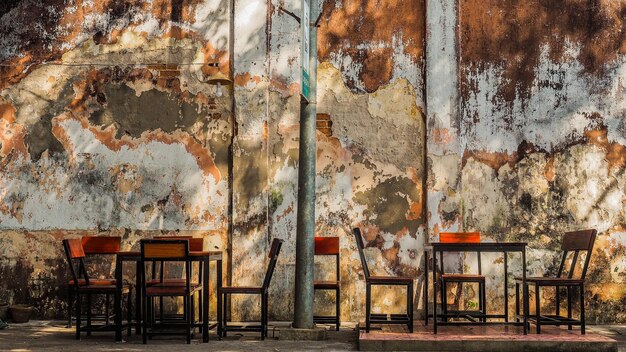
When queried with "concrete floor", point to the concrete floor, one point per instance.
{"points": [[54, 336]]}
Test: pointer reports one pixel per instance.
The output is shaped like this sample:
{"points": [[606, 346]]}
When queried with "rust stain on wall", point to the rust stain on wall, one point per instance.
{"points": [[366, 30], [65, 24], [511, 34]]}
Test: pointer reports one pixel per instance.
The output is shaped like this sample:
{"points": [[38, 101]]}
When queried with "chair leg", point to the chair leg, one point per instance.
{"points": [[129, 311], [444, 300], [187, 304], [192, 310], [538, 308], [338, 308], [444, 305], [78, 314], [484, 299], [480, 300], [368, 303], [558, 300], [69, 306], [409, 305], [267, 307], [161, 309], [88, 315], [569, 305], [107, 303], [517, 302], [582, 309], [526, 304], [139, 306], [144, 319], [225, 315], [263, 314]]}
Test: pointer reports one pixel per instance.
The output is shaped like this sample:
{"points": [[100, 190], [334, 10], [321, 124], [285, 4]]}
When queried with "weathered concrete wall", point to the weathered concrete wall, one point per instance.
{"points": [[500, 116], [371, 167], [108, 127], [540, 126]]}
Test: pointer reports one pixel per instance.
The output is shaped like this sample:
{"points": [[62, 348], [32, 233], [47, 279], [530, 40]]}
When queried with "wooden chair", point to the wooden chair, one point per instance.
{"points": [[461, 278], [81, 285], [195, 245], [329, 246], [166, 251], [370, 281], [95, 246], [262, 290], [577, 242]]}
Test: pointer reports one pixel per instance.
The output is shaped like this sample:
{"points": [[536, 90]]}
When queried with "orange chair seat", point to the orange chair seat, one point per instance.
{"points": [[94, 282]]}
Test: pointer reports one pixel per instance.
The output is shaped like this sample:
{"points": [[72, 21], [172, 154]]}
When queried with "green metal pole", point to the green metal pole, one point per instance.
{"points": [[305, 236]]}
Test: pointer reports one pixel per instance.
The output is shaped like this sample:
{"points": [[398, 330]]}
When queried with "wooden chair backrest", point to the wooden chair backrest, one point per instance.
{"points": [[459, 237], [273, 255], [359, 244], [101, 244], [74, 252], [74, 247], [328, 246], [171, 250], [578, 242], [196, 244]]}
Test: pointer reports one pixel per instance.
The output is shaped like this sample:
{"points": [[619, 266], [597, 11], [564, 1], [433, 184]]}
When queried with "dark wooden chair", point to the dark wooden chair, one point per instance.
{"points": [[166, 251], [262, 291], [195, 245], [95, 246], [329, 246], [406, 319], [578, 242], [461, 278], [81, 285]]}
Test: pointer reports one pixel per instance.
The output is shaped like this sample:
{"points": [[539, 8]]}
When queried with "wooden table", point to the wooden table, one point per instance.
{"points": [[504, 247], [205, 257]]}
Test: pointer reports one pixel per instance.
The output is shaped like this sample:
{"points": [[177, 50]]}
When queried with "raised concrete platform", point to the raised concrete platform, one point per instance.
{"points": [[482, 339]]}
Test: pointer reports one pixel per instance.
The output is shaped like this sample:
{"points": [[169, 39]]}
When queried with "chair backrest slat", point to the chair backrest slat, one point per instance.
{"points": [[578, 242], [459, 237], [273, 255], [196, 244], [359, 244], [326, 245], [74, 251], [75, 247], [101, 244], [165, 250]]}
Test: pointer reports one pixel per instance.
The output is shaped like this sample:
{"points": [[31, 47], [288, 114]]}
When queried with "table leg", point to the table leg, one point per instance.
{"points": [[506, 288], [434, 291], [138, 293], [118, 299], [426, 288], [219, 298], [205, 300], [524, 293]]}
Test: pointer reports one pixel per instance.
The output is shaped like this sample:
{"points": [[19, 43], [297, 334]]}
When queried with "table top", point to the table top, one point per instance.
{"points": [[212, 255], [481, 246]]}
